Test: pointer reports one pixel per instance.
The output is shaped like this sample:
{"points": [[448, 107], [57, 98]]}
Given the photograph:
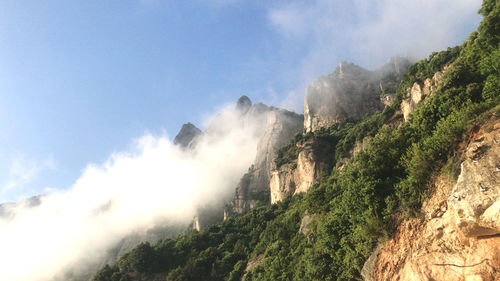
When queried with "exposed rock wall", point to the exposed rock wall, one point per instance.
{"points": [[458, 235], [346, 93], [300, 175], [281, 125], [187, 135], [419, 91], [272, 126], [351, 92]]}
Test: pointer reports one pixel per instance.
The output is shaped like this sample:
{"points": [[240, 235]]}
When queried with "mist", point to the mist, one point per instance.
{"points": [[130, 191], [365, 32]]}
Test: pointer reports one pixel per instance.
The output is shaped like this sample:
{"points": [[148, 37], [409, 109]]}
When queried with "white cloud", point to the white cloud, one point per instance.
{"points": [[22, 171], [372, 31], [129, 191]]}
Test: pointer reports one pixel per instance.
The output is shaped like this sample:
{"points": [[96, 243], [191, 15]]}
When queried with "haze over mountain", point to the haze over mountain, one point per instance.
{"points": [[232, 158]]}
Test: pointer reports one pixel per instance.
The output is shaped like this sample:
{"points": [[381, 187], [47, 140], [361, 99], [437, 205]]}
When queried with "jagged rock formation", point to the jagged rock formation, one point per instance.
{"points": [[243, 104], [315, 157], [351, 92], [281, 126], [272, 126], [187, 135], [475, 199], [457, 237], [419, 91]]}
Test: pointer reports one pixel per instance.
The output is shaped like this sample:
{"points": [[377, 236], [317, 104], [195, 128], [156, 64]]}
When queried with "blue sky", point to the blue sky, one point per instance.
{"points": [[80, 80]]}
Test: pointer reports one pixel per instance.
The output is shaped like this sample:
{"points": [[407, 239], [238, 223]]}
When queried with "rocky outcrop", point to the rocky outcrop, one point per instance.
{"points": [[243, 104], [272, 126], [475, 199], [419, 91], [251, 264], [458, 235], [315, 156], [281, 126], [187, 135], [351, 92]]}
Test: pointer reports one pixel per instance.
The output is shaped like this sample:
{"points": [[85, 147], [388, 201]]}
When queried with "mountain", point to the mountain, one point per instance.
{"points": [[273, 127], [351, 92], [187, 135], [405, 191]]}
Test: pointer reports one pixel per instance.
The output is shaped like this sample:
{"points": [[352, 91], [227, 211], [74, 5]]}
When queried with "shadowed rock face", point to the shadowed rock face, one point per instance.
{"points": [[186, 135], [243, 104], [351, 92]]}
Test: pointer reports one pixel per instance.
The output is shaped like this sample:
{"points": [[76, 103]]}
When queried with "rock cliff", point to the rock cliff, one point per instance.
{"points": [[273, 127], [419, 91], [315, 157], [457, 236], [187, 135], [351, 92], [281, 125]]}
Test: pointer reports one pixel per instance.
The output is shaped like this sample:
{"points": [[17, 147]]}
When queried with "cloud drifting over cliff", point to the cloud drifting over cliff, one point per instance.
{"points": [[129, 191]]}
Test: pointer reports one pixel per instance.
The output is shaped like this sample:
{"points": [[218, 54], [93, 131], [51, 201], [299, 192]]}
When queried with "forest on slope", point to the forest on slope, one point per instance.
{"points": [[329, 232]]}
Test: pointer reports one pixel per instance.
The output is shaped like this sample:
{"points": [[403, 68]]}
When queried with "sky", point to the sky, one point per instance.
{"points": [[82, 80]]}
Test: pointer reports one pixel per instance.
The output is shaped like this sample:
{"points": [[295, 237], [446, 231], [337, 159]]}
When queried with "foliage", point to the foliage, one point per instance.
{"points": [[353, 208]]}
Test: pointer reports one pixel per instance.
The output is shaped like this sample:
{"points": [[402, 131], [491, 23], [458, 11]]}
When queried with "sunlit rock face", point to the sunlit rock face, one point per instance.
{"points": [[457, 236], [280, 126], [300, 175], [475, 199], [273, 127], [418, 92], [351, 92]]}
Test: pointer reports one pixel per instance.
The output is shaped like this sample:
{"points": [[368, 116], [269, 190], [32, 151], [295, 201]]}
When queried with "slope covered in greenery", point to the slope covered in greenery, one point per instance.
{"points": [[353, 208]]}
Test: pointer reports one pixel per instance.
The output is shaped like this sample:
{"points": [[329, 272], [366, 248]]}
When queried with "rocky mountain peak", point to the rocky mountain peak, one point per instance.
{"points": [[351, 92], [243, 104], [186, 135]]}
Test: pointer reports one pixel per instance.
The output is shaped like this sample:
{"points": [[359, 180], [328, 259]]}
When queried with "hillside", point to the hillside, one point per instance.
{"points": [[383, 179]]}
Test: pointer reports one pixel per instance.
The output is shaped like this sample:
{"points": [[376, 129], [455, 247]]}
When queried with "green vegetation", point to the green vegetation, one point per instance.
{"points": [[353, 208]]}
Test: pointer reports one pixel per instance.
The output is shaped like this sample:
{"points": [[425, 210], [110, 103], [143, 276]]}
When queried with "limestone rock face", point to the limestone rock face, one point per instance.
{"points": [[299, 176], [419, 91], [280, 126], [272, 126], [475, 199], [186, 135], [457, 236], [351, 92]]}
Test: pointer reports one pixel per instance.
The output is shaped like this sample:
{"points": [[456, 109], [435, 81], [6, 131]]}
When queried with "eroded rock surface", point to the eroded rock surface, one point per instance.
{"points": [[351, 92], [186, 135], [419, 91], [475, 199], [457, 237], [299, 176], [281, 125]]}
